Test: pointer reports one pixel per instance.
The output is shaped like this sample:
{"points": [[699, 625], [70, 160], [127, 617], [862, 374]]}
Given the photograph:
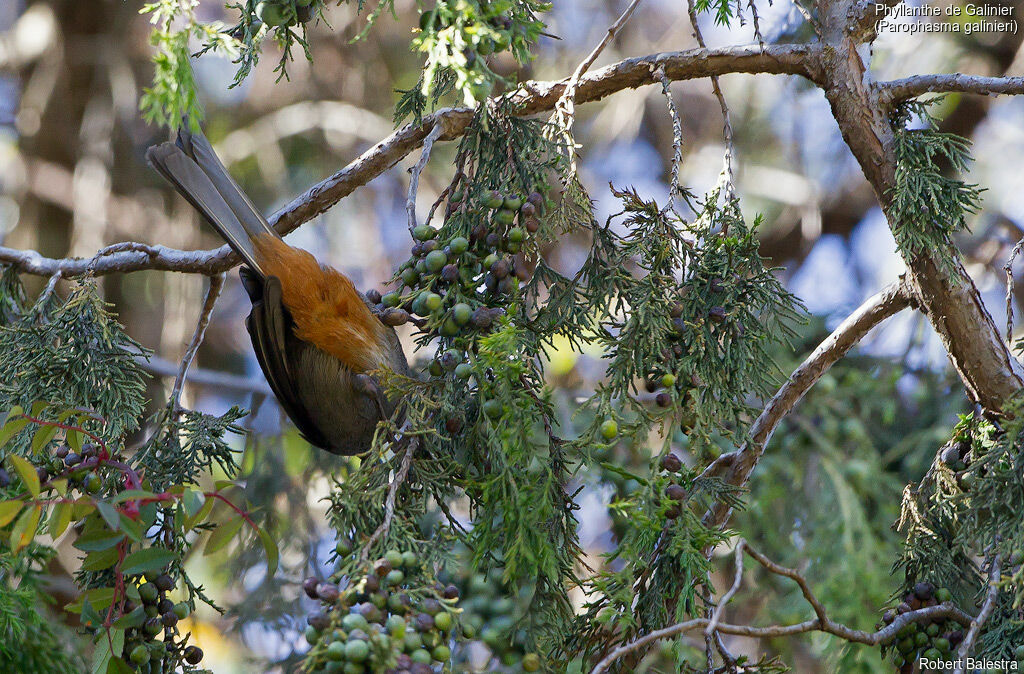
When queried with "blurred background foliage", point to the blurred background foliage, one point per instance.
{"points": [[72, 180]]}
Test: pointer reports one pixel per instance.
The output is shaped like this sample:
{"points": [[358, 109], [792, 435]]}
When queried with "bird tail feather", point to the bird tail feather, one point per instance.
{"points": [[191, 165]]}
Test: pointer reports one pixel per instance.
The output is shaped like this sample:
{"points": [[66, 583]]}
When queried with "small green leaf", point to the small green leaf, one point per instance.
{"points": [[98, 598], [101, 559], [132, 528], [200, 516], [59, 519], [15, 411], [83, 507], [109, 515], [108, 642], [133, 619], [8, 509], [60, 486], [147, 559], [11, 428], [148, 514], [24, 529], [119, 666], [27, 472], [270, 548], [74, 439], [132, 495], [222, 535], [42, 437], [101, 540], [38, 407], [91, 618], [192, 501]]}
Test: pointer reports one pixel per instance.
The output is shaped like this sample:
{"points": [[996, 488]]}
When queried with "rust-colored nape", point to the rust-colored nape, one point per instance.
{"points": [[326, 307]]}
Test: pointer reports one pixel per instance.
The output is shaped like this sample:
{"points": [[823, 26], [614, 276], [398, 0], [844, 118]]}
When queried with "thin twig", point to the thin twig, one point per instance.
{"points": [[727, 174], [212, 293], [1008, 269], [565, 107], [51, 285], [757, 22], [995, 573], [895, 91], [389, 504], [808, 16], [414, 177], [821, 622], [677, 133], [727, 597]]}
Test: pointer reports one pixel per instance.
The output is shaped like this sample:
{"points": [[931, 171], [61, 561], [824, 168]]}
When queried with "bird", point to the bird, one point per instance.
{"points": [[314, 334]]}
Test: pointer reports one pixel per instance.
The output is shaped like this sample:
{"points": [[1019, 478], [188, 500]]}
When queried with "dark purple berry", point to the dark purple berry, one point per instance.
{"points": [[193, 655], [395, 317], [675, 492], [318, 621], [671, 463], [328, 592]]}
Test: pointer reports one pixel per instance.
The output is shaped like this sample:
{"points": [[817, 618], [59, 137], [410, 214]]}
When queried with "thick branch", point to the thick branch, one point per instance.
{"points": [[948, 297], [889, 301], [532, 98], [909, 87], [863, 16]]}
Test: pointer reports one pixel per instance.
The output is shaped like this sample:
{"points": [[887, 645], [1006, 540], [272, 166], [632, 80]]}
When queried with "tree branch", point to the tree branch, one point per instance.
{"points": [[414, 175], [531, 98], [895, 91], [740, 464], [947, 295], [198, 376], [212, 293], [820, 623], [994, 575], [565, 110]]}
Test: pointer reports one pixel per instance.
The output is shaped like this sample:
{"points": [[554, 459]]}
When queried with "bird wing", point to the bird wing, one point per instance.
{"points": [[269, 327]]}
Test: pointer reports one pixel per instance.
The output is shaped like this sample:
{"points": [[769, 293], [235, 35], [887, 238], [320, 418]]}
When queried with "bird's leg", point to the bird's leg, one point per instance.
{"points": [[365, 385]]}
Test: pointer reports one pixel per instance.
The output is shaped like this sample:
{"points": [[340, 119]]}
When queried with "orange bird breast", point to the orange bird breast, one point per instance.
{"points": [[327, 309]]}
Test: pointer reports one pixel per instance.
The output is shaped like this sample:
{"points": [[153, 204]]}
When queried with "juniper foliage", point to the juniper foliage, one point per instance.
{"points": [[928, 206]]}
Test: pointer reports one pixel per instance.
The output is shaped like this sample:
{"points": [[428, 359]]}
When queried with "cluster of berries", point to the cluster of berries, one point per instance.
{"points": [[672, 464], [457, 284], [490, 611], [933, 639], [82, 469], [484, 27], [146, 616], [386, 620]]}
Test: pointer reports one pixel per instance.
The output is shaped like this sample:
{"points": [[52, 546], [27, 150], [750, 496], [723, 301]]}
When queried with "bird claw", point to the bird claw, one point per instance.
{"points": [[365, 385]]}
